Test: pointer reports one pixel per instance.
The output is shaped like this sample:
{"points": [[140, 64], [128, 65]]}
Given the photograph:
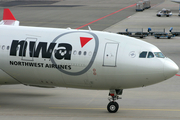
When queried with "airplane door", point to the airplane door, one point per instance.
{"points": [[110, 54], [27, 50]]}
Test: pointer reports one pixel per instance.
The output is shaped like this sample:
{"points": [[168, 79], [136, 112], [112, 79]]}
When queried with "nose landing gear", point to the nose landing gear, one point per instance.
{"points": [[113, 106]]}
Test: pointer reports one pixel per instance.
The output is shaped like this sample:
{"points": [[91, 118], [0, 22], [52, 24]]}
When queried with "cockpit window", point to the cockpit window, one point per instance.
{"points": [[143, 55], [150, 55], [159, 54]]}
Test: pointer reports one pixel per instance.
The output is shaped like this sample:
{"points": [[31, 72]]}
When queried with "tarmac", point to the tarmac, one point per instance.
{"points": [[155, 102]]}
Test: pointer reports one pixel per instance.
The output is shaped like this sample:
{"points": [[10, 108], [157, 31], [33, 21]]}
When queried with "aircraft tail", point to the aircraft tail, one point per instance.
{"points": [[8, 18]]}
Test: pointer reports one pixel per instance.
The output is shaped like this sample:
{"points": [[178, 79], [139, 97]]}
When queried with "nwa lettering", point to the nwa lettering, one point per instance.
{"points": [[63, 50]]}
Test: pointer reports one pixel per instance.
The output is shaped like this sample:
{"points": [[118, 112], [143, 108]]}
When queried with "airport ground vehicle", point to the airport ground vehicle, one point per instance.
{"points": [[163, 35], [134, 33], [164, 12], [141, 5], [160, 33], [175, 32]]}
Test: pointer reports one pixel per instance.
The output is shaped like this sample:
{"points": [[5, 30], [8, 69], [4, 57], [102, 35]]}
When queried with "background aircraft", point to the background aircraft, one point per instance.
{"points": [[176, 1]]}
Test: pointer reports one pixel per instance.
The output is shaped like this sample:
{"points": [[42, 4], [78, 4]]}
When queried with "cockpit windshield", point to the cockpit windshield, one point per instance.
{"points": [[150, 55], [146, 54], [159, 54], [143, 54]]}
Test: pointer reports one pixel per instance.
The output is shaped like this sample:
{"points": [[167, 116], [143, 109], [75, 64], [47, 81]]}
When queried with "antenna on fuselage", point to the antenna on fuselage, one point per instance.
{"points": [[89, 28]]}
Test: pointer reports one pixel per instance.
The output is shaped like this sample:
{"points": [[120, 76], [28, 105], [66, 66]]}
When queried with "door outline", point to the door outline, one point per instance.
{"points": [[27, 57], [105, 51]]}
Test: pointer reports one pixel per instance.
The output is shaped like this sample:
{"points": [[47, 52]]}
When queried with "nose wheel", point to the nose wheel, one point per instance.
{"points": [[113, 106]]}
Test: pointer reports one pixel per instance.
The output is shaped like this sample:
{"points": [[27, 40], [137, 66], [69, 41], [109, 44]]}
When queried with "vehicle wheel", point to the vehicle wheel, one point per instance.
{"points": [[113, 107], [169, 37], [157, 37], [167, 15], [141, 37]]}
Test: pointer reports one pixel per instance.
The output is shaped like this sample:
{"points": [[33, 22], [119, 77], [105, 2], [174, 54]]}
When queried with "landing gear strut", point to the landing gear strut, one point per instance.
{"points": [[113, 106]]}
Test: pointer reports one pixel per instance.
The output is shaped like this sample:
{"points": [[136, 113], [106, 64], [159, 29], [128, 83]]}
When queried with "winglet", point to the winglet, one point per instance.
{"points": [[8, 18], [7, 15]]}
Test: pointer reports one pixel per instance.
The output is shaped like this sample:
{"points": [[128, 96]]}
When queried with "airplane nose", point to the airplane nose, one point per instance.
{"points": [[170, 68]]}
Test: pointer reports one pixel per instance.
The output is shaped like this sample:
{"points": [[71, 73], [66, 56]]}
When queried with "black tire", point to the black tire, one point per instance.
{"points": [[167, 15], [157, 37], [117, 105], [169, 37], [113, 107]]}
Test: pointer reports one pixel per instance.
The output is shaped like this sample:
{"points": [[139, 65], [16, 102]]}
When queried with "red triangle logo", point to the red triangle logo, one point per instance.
{"points": [[84, 40]]}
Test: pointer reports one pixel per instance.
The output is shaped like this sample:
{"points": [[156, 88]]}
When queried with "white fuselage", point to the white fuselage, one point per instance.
{"points": [[176, 1], [48, 57]]}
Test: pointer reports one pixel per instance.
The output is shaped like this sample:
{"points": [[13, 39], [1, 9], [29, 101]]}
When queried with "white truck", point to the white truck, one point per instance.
{"points": [[164, 12]]}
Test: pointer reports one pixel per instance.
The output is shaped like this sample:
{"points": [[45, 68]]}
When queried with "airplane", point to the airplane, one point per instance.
{"points": [[177, 1], [85, 59]]}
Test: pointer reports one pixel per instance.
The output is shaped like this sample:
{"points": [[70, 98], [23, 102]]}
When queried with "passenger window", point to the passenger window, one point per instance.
{"points": [[75, 52], [90, 53], [143, 55], [150, 55], [3, 47], [7, 47], [79, 53], [84, 52]]}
